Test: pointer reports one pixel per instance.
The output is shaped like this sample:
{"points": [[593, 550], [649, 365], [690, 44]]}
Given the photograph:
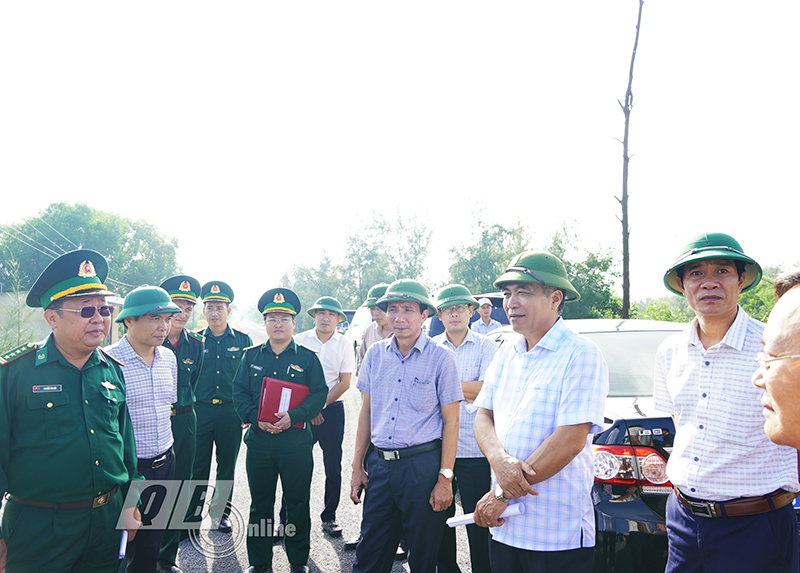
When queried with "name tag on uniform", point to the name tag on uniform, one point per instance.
{"points": [[108, 385], [47, 388], [256, 367]]}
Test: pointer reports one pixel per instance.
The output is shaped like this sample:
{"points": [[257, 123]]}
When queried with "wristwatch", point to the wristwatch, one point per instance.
{"points": [[499, 494], [447, 473]]}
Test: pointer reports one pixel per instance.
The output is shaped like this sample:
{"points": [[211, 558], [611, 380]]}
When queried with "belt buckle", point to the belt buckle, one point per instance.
{"points": [[390, 455], [216, 401], [159, 461], [100, 500], [702, 508], [172, 412]]}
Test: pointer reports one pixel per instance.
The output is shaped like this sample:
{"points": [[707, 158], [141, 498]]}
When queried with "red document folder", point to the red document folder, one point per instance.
{"points": [[280, 396]]}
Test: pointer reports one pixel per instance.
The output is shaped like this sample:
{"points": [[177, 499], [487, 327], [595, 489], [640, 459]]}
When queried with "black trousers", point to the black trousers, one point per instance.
{"points": [[472, 478], [397, 502], [507, 558], [142, 552]]}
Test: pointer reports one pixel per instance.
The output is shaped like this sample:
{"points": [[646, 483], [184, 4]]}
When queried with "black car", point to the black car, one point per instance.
{"points": [[631, 486]]}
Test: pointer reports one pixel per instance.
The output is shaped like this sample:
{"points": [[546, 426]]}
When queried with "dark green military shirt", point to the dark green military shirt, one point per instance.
{"points": [[295, 364], [65, 433], [189, 354], [220, 363]]}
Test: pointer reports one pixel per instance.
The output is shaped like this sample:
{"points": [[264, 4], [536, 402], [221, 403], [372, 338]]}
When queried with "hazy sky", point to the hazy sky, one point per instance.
{"points": [[261, 133]]}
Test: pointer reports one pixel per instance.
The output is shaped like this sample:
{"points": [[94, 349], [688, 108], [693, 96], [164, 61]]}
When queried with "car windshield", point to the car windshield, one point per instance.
{"points": [[630, 357]]}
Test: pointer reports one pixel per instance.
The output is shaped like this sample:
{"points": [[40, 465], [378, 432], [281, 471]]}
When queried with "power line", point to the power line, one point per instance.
{"points": [[52, 254], [48, 238]]}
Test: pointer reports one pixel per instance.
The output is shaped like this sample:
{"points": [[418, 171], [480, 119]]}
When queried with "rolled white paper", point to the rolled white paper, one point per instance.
{"points": [[469, 518]]}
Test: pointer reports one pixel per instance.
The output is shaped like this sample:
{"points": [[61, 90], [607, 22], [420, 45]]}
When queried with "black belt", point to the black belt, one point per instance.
{"points": [[179, 411], [215, 401], [97, 501], [156, 462], [738, 507], [403, 453]]}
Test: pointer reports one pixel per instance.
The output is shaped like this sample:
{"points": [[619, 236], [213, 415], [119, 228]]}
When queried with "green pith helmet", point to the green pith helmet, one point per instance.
{"points": [[452, 295], [146, 300], [217, 290], [328, 303], [279, 300], [538, 268], [182, 287], [404, 290], [374, 294], [713, 246], [73, 274]]}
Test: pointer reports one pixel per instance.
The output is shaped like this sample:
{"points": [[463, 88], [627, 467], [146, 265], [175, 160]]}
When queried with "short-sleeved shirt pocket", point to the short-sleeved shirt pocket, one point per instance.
{"points": [[112, 399], [186, 367], [52, 412], [422, 395]]}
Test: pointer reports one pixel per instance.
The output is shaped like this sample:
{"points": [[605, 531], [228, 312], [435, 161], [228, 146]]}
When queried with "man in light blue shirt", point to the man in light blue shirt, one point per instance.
{"points": [[485, 324], [542, 398], [411, 392], [455, 305]]}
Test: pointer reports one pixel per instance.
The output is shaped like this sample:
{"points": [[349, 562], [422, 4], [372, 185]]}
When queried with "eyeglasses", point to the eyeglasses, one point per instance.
{"points": [[764, 360], [88, 311], [459, 308], [284, 320]]}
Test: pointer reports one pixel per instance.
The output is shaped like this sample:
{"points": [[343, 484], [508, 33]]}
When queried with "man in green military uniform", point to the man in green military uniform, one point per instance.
{"points": [[67, 455], [188, 348], [217, 422], [279, 448]]}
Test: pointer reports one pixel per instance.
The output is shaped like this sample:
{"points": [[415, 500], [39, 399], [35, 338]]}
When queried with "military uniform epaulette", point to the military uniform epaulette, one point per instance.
{"points": [[196, 336], [239, 331], [251, 347], [107, 355], [307, 348], [12, 355]]}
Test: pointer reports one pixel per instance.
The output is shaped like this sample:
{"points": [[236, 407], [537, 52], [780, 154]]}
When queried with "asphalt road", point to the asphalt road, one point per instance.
{"points": [[226, 553]]}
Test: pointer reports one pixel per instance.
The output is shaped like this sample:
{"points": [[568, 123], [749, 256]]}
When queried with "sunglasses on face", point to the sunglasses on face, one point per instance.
{"points": [[88, 311]]}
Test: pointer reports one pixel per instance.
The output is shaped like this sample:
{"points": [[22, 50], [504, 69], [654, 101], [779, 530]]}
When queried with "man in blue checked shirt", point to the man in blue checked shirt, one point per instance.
{"points": [[411, 392], [542, 398], [732, 510], [455, 305], [151, 382]]}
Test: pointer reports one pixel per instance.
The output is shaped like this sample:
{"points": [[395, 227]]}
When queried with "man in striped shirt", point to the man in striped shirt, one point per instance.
{"points": [[151, 382], [472, 473], [732, 510], [542, 399]]}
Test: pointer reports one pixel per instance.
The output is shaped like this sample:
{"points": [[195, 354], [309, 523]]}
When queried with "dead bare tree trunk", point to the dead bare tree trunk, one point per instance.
{"points": [[625, 312]]}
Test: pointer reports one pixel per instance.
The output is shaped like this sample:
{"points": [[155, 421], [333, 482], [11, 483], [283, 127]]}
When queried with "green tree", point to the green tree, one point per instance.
{"points": [[382, 253], [477, 265], [137, 254], [310, 283], [15, 315], [671, 308], [593, 277], [758, 301]]}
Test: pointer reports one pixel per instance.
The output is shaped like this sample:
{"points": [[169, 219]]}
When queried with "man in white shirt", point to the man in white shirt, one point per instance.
{"points": [[732, 510], [542, 399], [338, 361], [151, 382]]}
